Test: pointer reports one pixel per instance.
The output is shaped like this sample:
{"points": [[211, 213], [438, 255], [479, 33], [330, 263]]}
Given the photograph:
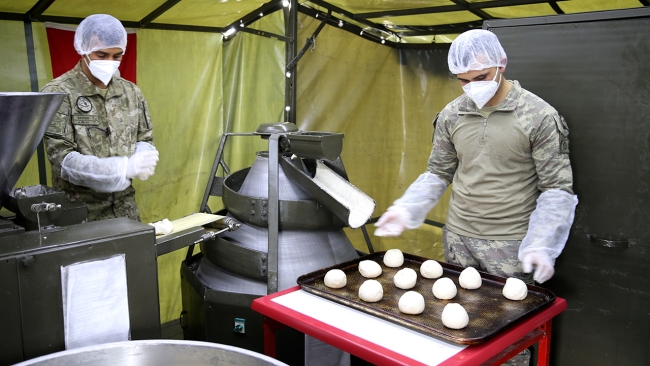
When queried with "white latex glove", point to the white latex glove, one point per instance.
{"points": [[543, 266], [390, 224], [142, 164]]}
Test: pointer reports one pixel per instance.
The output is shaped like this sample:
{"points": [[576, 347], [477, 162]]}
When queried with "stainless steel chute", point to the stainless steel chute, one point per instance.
{"points": [[24, 117]]}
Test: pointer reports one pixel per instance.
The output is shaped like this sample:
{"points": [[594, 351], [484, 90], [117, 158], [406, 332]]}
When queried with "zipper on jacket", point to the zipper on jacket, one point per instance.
{"points": [[482, 139]]}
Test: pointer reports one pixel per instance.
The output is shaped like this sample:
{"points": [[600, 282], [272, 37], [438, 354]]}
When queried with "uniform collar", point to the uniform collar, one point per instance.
{"points": [[89, 89], [467, 105]]}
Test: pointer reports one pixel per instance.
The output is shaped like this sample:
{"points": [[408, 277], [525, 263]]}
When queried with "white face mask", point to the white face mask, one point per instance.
{"points": [[103, 69], [482, 91]]}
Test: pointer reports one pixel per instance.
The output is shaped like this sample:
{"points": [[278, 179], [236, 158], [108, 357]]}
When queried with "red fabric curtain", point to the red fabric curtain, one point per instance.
{"points": [[64, 57]]}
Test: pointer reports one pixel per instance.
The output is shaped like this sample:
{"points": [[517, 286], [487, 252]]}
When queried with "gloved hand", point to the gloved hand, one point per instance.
{"points": [[543, 266], [390, 224], [142, 164]]}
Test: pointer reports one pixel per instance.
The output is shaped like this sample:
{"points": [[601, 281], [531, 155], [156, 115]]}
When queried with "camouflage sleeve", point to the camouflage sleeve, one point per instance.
{"points": [[443, 160], [145, 127], [59, 139], [550, 150]]}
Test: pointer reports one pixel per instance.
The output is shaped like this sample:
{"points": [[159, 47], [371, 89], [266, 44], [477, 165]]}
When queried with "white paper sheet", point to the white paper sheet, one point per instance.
{"points": [[417, 346], [95, 302]]}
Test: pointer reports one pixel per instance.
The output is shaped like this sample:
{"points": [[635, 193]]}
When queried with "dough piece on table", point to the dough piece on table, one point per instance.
{"points": [[335, 278], [454, 316], [444, 289], [163, 227], [431, 269], [411, 303], [405, 278], [369, 269], [515, 289], [470, 279], [393, 258], [371, 291]]}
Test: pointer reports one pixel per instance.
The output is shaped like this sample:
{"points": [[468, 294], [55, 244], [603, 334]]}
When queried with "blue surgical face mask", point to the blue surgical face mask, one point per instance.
{"points": [[482, 91]]}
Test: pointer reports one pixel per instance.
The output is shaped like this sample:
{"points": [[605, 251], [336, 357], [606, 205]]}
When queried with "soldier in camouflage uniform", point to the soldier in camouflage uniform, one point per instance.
{"points": [[505, 152], [102, 136]]}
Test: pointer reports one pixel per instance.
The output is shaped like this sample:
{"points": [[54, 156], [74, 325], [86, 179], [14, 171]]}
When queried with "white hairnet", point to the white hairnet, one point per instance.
{"points": [[476, 49], [99, 31]]}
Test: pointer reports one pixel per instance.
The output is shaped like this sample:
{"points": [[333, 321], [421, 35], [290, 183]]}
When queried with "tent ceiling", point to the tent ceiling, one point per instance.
{"points": [[397, 21]]}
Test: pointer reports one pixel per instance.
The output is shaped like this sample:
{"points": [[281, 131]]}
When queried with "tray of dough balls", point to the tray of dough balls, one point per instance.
{"points": [[461, 305]]}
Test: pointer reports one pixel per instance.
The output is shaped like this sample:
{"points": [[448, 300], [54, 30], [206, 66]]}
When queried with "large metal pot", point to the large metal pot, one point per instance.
{"points": [[155, 353]]}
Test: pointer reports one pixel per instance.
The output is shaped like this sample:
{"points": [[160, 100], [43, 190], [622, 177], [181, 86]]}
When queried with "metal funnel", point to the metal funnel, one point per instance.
{"points": [[24, 117]]}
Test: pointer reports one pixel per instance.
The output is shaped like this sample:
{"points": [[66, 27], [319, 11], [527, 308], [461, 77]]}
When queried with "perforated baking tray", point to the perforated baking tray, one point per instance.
{"points": [[489, 311]]}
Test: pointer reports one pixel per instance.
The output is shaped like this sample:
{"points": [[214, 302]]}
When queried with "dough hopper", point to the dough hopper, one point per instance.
{"points": [[24, 117]]}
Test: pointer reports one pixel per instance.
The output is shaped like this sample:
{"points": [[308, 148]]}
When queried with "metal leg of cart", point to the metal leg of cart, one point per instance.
{"points": [[541, 335], [270, 327]]}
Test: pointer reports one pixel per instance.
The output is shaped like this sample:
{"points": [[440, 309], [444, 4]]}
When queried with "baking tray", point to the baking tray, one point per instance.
{"points": [[489, 311]]}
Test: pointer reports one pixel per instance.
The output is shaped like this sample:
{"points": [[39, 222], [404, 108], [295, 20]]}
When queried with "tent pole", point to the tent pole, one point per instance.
{"points": [[291, 32], [33, 79]]}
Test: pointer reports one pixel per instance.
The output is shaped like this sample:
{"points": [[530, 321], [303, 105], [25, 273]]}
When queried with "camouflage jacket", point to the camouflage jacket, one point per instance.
{"points": [[499, 165], [93, 125]]}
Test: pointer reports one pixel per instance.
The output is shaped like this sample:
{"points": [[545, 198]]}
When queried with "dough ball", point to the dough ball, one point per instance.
{"points": [[454, 316], [371, 291], [335, 278], [405, 278], [369, 269], [393, 258], [470, 278], [411, 303], [444, 289], [515, 289], [431, 269]]}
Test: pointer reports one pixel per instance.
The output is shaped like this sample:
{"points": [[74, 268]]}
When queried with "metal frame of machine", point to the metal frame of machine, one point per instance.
{"points": [[212, 315]]}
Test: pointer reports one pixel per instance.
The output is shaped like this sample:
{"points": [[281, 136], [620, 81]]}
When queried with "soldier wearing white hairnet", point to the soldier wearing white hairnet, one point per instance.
{"points": [[101, 138], [505, 152]]}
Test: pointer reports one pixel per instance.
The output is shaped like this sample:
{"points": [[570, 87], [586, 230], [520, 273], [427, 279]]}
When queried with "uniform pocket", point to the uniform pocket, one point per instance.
{"points": [[89, 135], [563, 129]]}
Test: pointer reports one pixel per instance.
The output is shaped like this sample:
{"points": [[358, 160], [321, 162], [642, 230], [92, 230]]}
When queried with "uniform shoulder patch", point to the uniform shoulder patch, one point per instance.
{"points": [[84, 104]]}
